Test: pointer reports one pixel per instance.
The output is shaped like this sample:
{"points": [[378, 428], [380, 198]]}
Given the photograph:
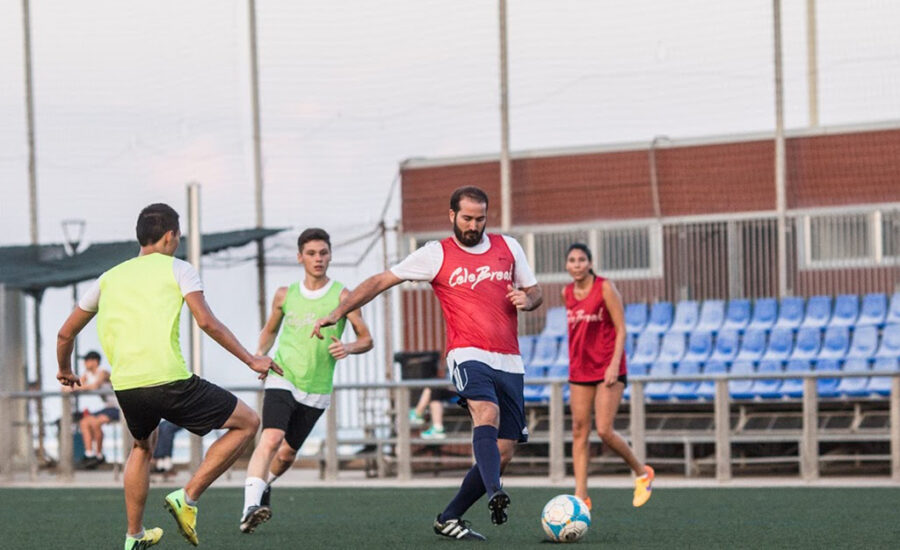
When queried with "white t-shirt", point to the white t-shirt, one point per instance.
{"points": [[187, 277], [314, 400], [424, 265]]}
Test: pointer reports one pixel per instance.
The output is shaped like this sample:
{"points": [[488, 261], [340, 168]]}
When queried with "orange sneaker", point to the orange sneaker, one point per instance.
{"points": [[587, 502], [643, 487]]}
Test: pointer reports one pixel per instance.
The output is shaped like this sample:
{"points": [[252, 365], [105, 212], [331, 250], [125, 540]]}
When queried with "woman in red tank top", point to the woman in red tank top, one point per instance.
{"points": [[597, 370]]}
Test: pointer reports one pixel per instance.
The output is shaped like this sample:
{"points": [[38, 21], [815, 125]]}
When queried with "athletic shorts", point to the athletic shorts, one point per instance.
{"points": [[282, 412], [623, 378], [194, 404], [111, 412], [477, 381]]}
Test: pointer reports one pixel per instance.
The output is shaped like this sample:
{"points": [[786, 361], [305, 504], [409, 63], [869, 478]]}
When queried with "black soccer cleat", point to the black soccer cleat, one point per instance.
{"points": [[456, 529], [265, 500], [497, 505], [255, 516]]}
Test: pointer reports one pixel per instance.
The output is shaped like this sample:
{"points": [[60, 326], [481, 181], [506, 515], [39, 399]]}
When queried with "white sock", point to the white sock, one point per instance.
{"points": [[166, 463], [89, 454], [272, 478], [136, 536], [438, 427], [253, 490]]}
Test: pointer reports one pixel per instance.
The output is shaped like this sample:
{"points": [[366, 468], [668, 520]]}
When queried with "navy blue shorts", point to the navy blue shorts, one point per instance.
{"points": [[476, 381], [111, 412]]}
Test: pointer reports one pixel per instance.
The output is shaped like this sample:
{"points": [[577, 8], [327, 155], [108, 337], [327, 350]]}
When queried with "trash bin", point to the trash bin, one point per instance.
{"points": [[417, 365]]}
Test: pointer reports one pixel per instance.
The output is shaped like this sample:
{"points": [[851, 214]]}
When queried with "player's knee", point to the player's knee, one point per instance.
{"points": [[271, 439], [605, 431], [287, 455], [580, 428]]}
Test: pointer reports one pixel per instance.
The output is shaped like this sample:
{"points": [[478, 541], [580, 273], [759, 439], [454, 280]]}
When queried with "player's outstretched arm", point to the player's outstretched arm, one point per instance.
{"points": [[211, 325], [363, 342], [269, 332], [362, 295], [65, 342]]}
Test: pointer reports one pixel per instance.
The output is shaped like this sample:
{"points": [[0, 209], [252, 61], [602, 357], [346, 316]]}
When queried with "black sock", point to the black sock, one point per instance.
{"points": [[487, 457], [469, 492]]}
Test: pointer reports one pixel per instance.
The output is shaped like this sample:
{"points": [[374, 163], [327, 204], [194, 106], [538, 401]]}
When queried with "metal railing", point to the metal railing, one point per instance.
{"points": [[402, 442]]}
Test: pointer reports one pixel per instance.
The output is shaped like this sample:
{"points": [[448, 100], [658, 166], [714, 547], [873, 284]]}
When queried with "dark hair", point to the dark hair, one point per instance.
{"points": [[469, 192], [587, 252], [92, 355], [313, 234], [155, 221]]}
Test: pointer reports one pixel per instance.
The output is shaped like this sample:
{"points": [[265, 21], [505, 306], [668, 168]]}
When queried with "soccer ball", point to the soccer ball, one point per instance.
{"points": [[565, 518]]}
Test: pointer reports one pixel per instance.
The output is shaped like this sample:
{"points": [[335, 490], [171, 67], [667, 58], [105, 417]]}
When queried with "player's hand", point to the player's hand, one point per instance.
{"points": [[516, 297], [68, 379], [612, 375], [337, 349], [320, 324], [262, 364]]}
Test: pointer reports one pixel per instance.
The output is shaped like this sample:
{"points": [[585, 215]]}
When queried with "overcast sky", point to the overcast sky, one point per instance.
{"points": [[134, 99]]}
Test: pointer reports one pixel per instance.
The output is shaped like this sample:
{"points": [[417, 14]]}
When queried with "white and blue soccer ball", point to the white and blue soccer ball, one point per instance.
{"points": [[565, 518]]}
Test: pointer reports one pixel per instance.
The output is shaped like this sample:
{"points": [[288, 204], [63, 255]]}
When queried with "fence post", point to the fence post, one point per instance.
{"points": [[895, 428], [638, 421], [722, 413], [404, 451], [557, 433], [331, 440], [809, 446], [7, 436], [66, 458]]}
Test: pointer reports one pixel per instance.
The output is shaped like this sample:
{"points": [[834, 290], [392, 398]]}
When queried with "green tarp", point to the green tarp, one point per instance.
{"points": [[34, 268]]}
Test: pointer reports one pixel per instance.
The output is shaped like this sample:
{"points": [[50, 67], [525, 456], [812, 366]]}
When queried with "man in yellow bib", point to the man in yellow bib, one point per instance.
{"points": [[138, 307], [294, 402]]}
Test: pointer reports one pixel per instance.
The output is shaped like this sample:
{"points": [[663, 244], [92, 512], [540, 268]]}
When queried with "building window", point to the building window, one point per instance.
{"points": [[550, 250], [839, 238], [625, 250], [890, 234]]}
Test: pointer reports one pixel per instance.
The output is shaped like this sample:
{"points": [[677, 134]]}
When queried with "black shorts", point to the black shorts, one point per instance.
{"points": [[623, 378], [194, 404], [282, 412]]}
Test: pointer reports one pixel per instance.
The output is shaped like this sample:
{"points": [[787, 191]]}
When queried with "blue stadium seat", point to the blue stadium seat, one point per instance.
{"points": [[635, 317], [526, 348], [741, 389], [781, 343], [629, 346], [646, 349], [660, 317], [874, 310], [846, 311], [767, 388], [791, 313], [856, 386], [672, 349], [753, 345], [546, 349], [534, 392], [686, 390], [726, 346], [827, 387], [864, 343], [793, 387], [765, 313], [557, 323], [712, 315], [686, 315], [707, 388], [890, 342], [558, 370], [893, 312], [836, 342], [737, 315], [881, 385], [699, 347], [659, 391], [638, 369], [818, 312], [809, 340], [562, 356]]}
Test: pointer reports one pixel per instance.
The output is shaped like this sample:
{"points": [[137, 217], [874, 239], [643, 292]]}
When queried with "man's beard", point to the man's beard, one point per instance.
{"points": [[467, 238]]}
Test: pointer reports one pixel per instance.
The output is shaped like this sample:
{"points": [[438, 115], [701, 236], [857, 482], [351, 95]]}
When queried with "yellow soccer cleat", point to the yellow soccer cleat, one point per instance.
{"points": [[151, 537], [185, 515], [643, 487]]}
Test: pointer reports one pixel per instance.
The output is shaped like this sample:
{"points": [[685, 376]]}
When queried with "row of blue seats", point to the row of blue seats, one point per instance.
{"points": [[766, 314], [728, 346], [868, 384]]}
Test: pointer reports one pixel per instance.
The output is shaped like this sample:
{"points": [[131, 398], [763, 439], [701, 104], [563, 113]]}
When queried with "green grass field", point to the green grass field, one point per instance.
{"points": [[401, 518]]}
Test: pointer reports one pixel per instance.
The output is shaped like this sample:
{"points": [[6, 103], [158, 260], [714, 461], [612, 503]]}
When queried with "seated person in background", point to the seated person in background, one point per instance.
{"points": [[91, 424], [433, 400], [165, 443]]}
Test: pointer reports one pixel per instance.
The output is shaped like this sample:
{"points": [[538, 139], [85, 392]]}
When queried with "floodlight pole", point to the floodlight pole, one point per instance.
{"points": [[780, 176], [505, 171], [73, 231], [257, 163], [812, 63], [194, 254]]}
